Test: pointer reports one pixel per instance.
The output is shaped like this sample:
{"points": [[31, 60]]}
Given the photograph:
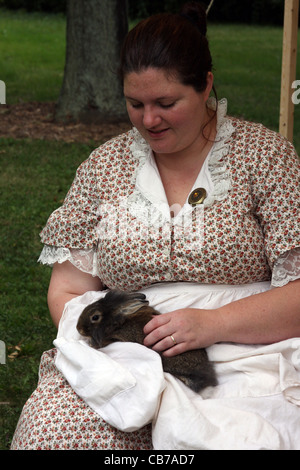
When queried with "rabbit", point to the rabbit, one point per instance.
{"points": [[121, 316]]}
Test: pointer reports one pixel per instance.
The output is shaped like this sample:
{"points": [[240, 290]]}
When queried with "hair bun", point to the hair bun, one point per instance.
{"points": [[196, 14]]}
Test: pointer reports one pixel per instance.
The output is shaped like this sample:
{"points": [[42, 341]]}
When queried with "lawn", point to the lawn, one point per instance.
{"points": [[247, 64], [35, 175], [34, 179], [32, 55], [248, 72]]}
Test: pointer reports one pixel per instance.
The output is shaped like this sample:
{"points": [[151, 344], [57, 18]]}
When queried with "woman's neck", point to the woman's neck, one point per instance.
{"points": [[179, 171], [189, 160]]}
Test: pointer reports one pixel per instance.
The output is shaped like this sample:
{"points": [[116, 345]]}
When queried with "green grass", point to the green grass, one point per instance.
{"points": [[247, 67], [35, 175], [247, 64], [32, 55], [33, 181]]}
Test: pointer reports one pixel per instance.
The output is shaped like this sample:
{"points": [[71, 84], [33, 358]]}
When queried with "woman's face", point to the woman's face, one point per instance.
{"points": [[169, 115]]}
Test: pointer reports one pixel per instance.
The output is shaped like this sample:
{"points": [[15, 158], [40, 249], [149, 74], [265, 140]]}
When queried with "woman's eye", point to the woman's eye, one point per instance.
{"points": [[136, 105], [163, 105]]}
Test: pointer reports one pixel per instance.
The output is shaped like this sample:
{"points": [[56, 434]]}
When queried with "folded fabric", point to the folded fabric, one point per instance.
{"points": [[122, 384], [256, 404]]}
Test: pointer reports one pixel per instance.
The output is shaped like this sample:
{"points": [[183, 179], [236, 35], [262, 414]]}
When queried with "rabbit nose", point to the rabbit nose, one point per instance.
{"points": [[81, 330]]}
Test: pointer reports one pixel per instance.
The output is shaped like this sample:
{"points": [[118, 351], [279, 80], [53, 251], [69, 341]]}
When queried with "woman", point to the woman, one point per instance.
{"points": [[244, 237]]}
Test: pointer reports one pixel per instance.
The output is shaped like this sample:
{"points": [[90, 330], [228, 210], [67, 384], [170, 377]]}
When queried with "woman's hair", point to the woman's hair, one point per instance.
{"points": [[176, 43]]}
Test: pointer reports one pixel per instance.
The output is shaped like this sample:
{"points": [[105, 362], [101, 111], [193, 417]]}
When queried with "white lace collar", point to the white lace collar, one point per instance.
{"points": [[149, 198]]}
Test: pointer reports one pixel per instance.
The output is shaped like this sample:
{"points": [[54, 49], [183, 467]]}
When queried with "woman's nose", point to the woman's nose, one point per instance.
{"points": [[151, 117]]}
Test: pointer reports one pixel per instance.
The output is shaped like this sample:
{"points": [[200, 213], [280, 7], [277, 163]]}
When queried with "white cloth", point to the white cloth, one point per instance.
{"points": [[254, 406]]}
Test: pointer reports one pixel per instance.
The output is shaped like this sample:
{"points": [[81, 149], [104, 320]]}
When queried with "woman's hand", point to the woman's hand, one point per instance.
{"points": [[182, 330], [258, 319]]}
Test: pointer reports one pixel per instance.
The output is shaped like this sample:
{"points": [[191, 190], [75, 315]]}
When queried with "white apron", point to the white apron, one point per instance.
{"points": [[254, 406]]}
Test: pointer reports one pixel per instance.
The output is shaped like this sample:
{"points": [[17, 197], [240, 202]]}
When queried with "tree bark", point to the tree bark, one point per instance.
{"points": [[91, 90]]}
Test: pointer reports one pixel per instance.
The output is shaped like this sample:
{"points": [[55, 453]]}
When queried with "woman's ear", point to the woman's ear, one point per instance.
{"points": [[209, 85]]}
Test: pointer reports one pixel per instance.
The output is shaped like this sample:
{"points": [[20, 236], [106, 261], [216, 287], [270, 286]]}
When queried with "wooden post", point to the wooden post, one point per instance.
{"points": [[288, 72]]}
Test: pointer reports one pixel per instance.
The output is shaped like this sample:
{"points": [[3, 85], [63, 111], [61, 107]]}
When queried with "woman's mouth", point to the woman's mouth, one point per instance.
{"points": [[156, 134]]}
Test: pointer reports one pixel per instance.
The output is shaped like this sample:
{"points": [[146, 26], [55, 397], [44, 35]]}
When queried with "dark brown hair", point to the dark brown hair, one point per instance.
{"points": [[176, 43]]}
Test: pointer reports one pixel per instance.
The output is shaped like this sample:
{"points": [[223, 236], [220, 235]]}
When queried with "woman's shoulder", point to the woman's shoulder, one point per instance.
{"points": [[261, 154], [258, 140], [113, 155], [115, 148], [251, 130]]}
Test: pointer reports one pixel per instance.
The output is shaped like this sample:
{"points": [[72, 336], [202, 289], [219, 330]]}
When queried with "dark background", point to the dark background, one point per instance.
{"points": [[223, 11]]}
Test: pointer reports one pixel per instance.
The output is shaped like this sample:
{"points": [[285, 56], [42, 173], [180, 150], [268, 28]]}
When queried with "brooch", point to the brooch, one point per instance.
{"points": [[197, 196]]}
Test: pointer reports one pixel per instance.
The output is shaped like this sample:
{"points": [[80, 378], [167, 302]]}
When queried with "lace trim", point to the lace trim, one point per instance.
{"points": [[85, 260], [141, 199], [142, 204], [217, 168], [286, 268]]}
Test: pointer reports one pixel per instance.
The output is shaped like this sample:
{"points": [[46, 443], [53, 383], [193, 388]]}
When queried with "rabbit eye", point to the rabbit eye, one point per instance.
{"points": [[95, 318]]}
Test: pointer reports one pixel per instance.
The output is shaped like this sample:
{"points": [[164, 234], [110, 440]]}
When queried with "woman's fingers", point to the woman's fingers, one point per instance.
{"points": [[181, 330], [156, 331], [164, 333]]}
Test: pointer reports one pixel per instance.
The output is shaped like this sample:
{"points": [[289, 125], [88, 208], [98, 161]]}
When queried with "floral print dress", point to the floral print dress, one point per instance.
{"points": [[115, 223]]}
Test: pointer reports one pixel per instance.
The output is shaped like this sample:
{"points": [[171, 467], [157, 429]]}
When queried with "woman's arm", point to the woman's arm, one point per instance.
{"points": [[259, 319], [66, 283]]}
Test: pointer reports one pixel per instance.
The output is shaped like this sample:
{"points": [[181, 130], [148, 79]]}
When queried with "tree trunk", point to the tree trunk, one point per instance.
{"points": [[91, 90]]}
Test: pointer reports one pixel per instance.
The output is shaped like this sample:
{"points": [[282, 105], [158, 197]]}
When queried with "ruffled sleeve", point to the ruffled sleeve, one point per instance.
{"points": [[276, 194], [286, 268], [74, 224]]}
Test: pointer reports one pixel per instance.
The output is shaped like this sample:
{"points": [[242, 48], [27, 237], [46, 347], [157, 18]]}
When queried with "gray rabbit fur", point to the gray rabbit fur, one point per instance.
{"points": [[121, 316]]}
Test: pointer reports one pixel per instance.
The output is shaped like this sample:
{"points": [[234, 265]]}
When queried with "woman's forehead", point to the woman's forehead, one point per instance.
{"points": [[151, 81]]}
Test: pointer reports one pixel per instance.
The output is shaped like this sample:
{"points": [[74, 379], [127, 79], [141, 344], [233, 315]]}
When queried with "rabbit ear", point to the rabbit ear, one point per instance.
{"points": [[124, 303], [132, 306]]}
